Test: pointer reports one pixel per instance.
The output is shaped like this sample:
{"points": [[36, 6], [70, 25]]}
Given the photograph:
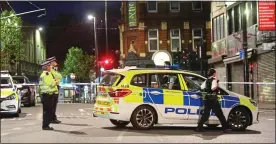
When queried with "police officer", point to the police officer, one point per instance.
{"points": [[47, 86], [211, 86], [57, 76]]}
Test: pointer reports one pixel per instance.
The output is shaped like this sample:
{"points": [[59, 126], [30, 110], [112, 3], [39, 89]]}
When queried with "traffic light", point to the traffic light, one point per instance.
{"points": [[106, 61]]}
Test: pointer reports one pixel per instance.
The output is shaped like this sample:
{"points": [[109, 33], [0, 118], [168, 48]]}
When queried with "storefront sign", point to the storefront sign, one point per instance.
{"points": [[266, 15]]}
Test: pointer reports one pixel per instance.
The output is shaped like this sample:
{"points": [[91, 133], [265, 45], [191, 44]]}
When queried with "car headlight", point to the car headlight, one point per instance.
{"points": [[254, 102], [11, 97]]}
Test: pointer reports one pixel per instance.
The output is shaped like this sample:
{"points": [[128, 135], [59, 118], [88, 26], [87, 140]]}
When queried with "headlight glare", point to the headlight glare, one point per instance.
{"points": [[11, 97]]}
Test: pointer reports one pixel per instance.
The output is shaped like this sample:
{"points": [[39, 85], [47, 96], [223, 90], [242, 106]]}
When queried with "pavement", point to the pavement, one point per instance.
{"points": [[266, 106], [79, 126]]}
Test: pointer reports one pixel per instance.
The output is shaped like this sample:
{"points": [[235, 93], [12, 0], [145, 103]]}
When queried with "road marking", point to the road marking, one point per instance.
{"points": [[271, 119], [29, 114], [20, 118], [13, 119], [120, 137], [88, 113], [81, 110], [2, 120], [3, 134], [17, 128], [72, 114]]}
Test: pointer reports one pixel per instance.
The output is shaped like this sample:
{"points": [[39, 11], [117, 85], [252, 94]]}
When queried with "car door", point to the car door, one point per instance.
{"points": [[166, 92]]}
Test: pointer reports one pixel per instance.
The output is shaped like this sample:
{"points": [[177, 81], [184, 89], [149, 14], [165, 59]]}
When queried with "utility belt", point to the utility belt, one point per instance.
{"points": [[211, 96]]}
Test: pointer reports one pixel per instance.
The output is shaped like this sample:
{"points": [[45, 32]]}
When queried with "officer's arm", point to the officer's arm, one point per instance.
{"points": [[214, 85], [56, 74]]}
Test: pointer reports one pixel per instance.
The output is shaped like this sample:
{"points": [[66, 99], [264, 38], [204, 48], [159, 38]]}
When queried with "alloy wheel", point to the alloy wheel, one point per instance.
{"points": [[144, 118]]}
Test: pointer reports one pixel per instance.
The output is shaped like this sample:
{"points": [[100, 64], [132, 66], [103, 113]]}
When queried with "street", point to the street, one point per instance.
{"points": [[79, 126]]}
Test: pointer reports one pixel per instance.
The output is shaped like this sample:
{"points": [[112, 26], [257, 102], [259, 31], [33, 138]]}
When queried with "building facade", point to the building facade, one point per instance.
{"points": [[152, 32], [33, 48], [227, 41]]}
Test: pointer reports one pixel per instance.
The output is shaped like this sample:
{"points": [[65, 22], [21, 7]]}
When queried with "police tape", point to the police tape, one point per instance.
{"points": [[258, 83]]}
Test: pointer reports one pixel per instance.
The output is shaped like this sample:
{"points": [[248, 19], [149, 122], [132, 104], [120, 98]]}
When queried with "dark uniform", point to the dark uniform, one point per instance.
{"points": [[47, 86], [57, 76], [211, 103]]}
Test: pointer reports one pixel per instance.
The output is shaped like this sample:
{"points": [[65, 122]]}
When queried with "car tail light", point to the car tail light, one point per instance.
{"points": [[120, 93]]}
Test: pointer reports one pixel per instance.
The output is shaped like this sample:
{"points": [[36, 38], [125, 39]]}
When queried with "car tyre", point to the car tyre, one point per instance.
{"points": [[143, 118], [18, 112], [238, 119], [119, 124]]}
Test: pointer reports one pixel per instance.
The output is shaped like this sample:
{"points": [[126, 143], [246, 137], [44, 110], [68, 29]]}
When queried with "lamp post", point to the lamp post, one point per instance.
{"points": [[90, 17]]}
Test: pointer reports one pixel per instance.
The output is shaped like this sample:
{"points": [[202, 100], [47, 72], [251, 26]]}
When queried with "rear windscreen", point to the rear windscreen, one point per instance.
{"points": [[110, 79]]}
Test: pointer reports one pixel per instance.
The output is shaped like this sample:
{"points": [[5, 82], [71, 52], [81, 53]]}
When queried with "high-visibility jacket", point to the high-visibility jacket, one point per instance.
{"points": [[47, 83], [56, 75]]}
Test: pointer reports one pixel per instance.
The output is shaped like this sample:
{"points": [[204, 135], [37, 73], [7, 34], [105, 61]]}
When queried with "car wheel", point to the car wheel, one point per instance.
{"points": [[18, 112], [119, 123], [238, 119], [143, 118], [212, 125]]}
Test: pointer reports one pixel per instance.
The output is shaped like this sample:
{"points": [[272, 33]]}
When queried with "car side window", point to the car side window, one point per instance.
{"points": [[192, 86], [165, 81], [139, 80], [198, 80], [222, 92]]}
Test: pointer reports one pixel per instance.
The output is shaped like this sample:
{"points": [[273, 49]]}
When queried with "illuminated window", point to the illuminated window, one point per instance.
{"points": [[175, 40], [153, 40]]}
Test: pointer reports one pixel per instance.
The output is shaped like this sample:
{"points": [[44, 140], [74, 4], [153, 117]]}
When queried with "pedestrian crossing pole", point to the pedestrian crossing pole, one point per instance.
{"points": [[106, 36]]}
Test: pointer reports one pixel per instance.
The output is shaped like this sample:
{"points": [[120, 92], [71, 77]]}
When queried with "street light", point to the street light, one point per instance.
{"points": [[40, 28], [90, 17]]}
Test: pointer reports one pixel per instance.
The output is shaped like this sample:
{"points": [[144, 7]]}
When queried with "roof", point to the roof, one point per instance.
{"points": [[123, 71]]}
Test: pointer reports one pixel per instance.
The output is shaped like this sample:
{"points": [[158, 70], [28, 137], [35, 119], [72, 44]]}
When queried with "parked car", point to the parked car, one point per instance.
{"points": [[28, 90]]}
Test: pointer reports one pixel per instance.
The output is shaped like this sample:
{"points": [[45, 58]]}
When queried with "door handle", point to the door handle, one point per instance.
{"points": [[195, 96], [155, 92]]}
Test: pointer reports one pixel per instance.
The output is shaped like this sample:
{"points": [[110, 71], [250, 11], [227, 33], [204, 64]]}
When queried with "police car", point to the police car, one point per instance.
{"points": [[146, 97], [10, 99]]}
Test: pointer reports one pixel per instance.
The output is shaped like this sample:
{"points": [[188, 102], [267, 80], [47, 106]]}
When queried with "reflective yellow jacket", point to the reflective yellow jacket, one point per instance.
{"points": [[47, 83]]}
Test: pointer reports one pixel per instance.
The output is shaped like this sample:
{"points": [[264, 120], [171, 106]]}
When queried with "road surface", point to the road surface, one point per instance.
{"points": [[79, 126]]}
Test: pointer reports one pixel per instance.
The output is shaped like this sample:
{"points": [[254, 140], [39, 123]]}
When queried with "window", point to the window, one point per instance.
{"points": [[237, 18], [251, 13], [153, 43], [152, 6], [139, 80], [191, 85], [175, 39], [165, 81], [109, 79], [197, 80], [174, 6], [197, 6], [218, 27], [230, 22], [197, 38]]}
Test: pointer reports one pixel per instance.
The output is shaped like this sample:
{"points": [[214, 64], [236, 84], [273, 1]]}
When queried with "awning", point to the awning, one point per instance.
{"points": [[236, 58], [216, 59]]}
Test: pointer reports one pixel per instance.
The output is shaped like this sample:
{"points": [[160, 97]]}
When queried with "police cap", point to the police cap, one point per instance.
{"points": [[51, 59], [45, 63]]}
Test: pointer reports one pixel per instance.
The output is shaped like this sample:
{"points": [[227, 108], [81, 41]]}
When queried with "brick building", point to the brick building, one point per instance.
{"points": [[151, 27]]}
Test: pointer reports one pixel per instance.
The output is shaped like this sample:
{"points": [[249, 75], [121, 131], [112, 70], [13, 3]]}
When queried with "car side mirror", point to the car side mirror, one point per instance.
{"points": [[18, 86]]}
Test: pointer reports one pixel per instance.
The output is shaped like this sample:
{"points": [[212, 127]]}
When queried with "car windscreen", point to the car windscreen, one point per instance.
{"points": [[6, 82], [18, 80], [109, 79]]}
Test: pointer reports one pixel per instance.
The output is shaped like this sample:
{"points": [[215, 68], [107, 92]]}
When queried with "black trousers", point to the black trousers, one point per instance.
{"points": [[47, 101], [212, 104], [55, 101]]}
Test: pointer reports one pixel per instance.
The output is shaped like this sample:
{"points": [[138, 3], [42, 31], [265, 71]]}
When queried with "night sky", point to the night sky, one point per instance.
{"points": [[66, 25]]}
